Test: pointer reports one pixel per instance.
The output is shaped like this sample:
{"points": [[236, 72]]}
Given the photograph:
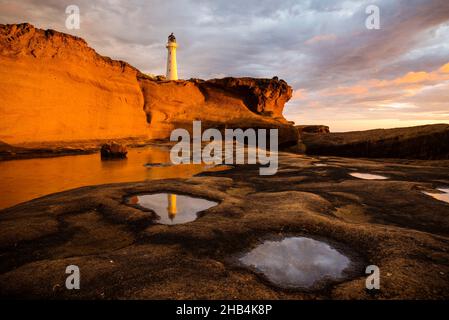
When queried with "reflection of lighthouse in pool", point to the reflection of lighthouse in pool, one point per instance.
{"points": [[171, 209]]}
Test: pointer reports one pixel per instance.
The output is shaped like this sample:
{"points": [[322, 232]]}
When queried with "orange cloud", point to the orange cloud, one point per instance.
{"points": [[414, 77], [445, 68], [410, 83], [354, 90], [299, 94]]}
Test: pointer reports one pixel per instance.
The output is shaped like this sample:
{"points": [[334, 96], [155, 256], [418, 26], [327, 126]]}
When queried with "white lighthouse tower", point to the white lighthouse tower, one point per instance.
{"points": [[172, 67]]}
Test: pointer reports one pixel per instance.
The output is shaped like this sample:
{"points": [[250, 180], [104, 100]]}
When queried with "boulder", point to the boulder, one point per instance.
{"points": [[113, 150]]}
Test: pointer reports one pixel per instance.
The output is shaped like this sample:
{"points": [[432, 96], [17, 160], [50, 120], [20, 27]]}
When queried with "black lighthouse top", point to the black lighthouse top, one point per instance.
{"points": [[171, 38]]}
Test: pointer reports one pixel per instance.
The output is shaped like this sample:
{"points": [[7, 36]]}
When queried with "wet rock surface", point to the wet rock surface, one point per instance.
{"points": [[367, 176], [123, 253]]}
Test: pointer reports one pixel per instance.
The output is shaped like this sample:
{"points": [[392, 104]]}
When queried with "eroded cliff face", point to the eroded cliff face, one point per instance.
{"points": [[218, 103], [53, 87]]}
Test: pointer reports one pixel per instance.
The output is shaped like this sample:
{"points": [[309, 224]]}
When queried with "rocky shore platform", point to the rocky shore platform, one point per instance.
{"points": [[123, 253], [428, 142]]}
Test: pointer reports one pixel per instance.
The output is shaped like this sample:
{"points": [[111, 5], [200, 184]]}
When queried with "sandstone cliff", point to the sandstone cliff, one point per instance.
{"points": [[53, 87], [218, 103]]}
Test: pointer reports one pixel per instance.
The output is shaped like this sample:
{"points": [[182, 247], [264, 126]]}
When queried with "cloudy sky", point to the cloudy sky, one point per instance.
{"points": [[344, 75]]}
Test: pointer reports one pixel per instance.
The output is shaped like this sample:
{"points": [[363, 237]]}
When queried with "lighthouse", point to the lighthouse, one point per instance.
{"points": [[172, 67]]}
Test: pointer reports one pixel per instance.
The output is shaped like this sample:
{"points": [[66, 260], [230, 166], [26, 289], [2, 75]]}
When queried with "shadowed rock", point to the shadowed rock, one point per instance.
{"points": [[113, 150], [421, 142], [312, 129]]}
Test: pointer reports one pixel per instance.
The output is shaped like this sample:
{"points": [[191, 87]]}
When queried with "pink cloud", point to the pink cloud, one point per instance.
{"points": [[321, 38]]}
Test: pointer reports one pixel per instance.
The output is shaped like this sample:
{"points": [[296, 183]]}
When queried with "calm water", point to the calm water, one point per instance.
{"points": [[368, 176], [442, 196], [297, 262], [23, 180], [173, 208]]}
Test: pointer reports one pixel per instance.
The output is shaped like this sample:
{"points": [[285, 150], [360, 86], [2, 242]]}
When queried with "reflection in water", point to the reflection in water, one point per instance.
{"points": [[444, 196], [23, 180], [172, 208], [368, 176], [297, 262], [320, 165]]}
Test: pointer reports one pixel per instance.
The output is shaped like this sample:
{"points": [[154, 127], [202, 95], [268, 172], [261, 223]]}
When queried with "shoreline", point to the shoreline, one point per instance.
{"points": [[60, 149], [22, 153]]}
